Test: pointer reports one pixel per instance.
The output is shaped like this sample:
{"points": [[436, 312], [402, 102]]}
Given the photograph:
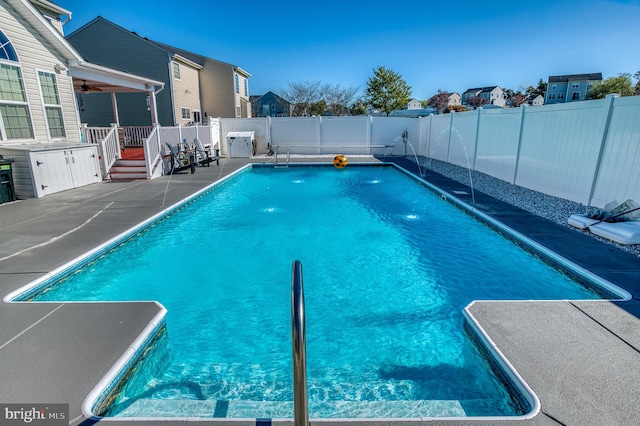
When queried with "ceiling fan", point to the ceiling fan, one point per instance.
{"points": [[86, 89]]}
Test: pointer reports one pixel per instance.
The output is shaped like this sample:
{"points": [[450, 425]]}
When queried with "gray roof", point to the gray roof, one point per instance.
{"points": [[595, 76]]}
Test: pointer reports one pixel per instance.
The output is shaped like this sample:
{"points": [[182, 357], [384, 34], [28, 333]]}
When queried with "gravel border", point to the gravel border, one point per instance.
{"points": [[552, 208]]}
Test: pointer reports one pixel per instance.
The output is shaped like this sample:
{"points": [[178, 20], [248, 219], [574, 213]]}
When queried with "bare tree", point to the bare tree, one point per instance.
{"points": [[316, 98], [339, 99], [303, 96]]}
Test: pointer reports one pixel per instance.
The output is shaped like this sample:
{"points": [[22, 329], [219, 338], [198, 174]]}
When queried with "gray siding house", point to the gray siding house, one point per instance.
{"points": [[270, 105], [569, 88], [195, 86]]}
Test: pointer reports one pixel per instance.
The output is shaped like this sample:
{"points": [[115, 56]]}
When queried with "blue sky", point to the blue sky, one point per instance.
{"points": [[448, 45]]}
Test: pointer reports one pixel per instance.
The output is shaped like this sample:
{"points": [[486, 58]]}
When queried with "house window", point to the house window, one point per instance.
{"points": [[13, 104], [6, 49], [246, 87], [237, 84], [560, 95], [237, 111], [52, 107], [176, 71], [186, 113], [575, 96], [552, 96]]}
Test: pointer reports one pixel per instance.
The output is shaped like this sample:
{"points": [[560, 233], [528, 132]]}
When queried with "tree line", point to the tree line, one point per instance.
{"points": [[387, 91]]}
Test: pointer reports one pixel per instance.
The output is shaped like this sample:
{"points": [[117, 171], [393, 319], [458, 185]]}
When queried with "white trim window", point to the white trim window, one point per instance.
{"points": [[176, 71], [237, 84], [51, 103], [246, 87], [186, 113], [14, 108], [15, 119]]}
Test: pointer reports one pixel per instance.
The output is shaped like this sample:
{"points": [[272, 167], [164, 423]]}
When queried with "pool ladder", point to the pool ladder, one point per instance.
{"points": [[299, 336], [276, 164]]}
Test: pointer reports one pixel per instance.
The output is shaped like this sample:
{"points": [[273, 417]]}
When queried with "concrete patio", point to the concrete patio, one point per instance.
{"points": [[582, 359]]}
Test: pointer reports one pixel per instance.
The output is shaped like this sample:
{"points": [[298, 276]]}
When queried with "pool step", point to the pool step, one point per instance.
{"points": [[284, 409]]}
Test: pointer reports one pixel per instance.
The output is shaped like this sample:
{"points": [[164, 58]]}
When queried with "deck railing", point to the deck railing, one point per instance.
{"points": [[109, 147], [152, 151], [134, 135]]}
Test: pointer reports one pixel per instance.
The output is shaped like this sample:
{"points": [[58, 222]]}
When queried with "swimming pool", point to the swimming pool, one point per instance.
{"points": [[388, 268]]}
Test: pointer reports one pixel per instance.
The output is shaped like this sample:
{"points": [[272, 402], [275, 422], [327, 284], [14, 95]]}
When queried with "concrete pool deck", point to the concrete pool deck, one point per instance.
{"points": [[582, 359]]}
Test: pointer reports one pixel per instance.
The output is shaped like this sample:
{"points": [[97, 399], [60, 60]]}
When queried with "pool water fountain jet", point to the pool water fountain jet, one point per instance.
{"points": [[405, 140], [464, 148]]}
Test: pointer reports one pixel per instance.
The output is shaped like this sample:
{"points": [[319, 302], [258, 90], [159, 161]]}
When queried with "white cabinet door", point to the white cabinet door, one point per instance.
{"points": [[50, 172], [83, 165]]}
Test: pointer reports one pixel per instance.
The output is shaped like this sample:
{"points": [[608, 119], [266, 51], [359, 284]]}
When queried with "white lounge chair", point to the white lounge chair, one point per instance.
{"points": [[206, 157], [580, 221], [625, 233]]}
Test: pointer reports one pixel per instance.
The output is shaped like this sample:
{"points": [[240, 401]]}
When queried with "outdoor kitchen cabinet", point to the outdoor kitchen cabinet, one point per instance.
{"points": [[41, 170]]}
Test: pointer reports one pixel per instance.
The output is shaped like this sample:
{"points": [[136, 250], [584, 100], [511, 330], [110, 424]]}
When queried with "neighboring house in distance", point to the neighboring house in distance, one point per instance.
{"points": [[270, 105], [40, 73], [414, 104], [493, 94], [454, 99], [195, 86], [570, 87], [536, 100]]}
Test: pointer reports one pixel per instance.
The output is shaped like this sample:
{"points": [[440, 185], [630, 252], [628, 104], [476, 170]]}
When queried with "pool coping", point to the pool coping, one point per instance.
{"points": [[399, 421]]}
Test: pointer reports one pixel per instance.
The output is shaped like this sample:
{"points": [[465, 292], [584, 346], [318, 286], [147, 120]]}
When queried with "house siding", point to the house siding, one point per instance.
{"points": [[217, 89], [106, 44], [36, 54], [186, 92]]}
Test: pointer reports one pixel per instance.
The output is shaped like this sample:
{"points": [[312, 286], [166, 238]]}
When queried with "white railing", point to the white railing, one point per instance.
{"points": [[109, 150], [134, 135], [96, 134], [152, 151]]}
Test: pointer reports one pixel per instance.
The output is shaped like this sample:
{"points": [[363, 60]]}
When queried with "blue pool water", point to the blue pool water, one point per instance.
{"points": [[388, 268]]}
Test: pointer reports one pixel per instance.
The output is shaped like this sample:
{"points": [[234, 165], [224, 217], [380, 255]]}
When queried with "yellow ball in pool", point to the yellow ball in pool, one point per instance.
{"points": [[340, 161]]}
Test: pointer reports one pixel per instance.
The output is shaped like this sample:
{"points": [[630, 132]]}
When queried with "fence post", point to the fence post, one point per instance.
{"points": [[606, 112], [515, 169], [319, 133], [269, 145]]}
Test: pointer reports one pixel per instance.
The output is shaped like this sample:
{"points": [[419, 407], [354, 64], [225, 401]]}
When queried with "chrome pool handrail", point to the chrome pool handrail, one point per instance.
{"points": [[298, 333]]}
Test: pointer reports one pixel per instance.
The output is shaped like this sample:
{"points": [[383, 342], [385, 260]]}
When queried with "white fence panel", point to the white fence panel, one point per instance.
{"points": [[462, 143], [386, 131], [258, 125], [439, 136], [497, 148], [424, 131], [299, 134], [559, 149], [169, 135], [345, 135], [619, 174]]}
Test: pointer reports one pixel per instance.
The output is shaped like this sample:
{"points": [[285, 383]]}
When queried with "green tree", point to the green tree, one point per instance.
{"points": [[359, 107], [538, 90], [387, 91], [621, 85]]}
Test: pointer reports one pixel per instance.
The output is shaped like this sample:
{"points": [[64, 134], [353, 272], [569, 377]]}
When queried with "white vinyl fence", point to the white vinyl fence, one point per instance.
{"points": [[588, 152]]}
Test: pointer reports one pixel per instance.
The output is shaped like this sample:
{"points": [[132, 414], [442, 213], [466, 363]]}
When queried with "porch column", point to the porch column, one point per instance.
{"points": [[153, 108], [114, 104]]}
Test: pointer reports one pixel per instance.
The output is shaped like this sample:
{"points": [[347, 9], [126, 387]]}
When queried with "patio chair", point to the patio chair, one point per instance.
{"points": [[206, 157], [179, 160]]}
